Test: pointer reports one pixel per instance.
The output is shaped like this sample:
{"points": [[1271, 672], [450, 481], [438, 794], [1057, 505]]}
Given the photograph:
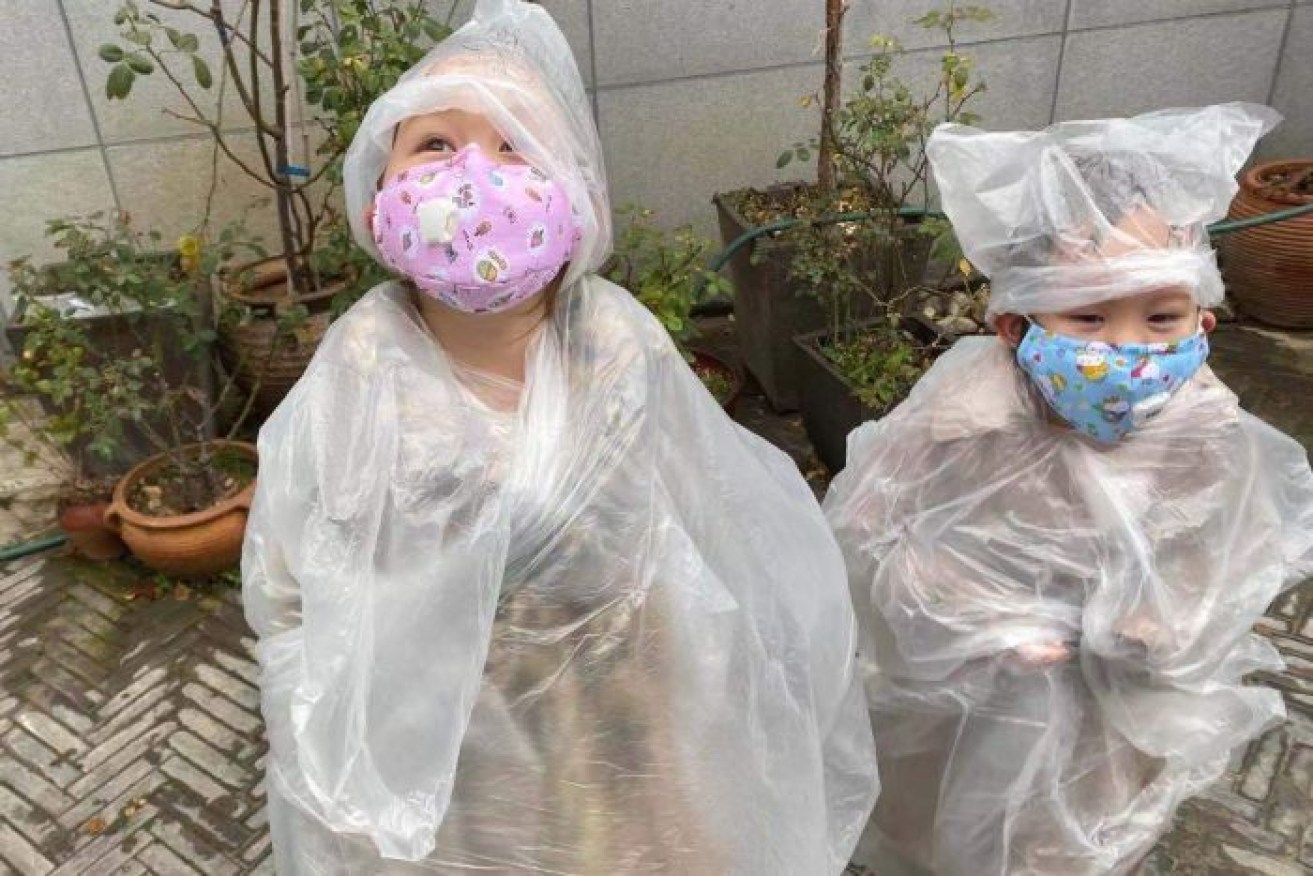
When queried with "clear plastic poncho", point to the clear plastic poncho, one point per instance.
{"points": [[978, 532], [585, 625]]}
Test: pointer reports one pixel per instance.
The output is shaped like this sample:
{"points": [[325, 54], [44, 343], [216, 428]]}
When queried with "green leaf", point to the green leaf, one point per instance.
{"points": [[202, 70], [140, 64], [140, 37], [119, 82], [111, 53], [783, 160], [190, 43], [174, 36], [436, 30]]}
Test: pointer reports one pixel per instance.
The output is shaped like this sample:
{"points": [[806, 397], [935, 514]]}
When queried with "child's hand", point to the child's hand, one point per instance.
{"points": [[1138, 629], [1038, 656]]}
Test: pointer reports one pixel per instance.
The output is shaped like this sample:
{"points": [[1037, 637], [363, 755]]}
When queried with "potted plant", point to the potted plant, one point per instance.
{"points": [[181, 511], [1269, 269], [866, 276], [876, 361], [80, 501], [274, 312], [862, 379], [91, 309], [870, 161], [667, 272]]}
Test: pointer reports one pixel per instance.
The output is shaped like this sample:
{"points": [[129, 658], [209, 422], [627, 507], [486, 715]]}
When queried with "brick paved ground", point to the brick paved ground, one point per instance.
{"points": [[130, 728], [1259, 819], [131, 739]]}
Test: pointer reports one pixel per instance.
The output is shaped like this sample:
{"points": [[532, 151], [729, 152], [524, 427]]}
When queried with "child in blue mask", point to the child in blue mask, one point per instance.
{"points": [[1059, 543]]}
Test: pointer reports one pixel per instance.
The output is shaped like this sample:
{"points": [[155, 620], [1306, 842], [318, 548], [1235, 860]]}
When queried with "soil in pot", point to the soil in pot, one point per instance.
{"points": [[168, 491]]}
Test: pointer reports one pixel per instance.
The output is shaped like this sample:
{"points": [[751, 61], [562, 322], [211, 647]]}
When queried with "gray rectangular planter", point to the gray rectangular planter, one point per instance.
{"points": [[769, 312], [829, 404]]}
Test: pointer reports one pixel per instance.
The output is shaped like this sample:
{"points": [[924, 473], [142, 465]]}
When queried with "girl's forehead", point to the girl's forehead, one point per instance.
{"points": [[453, 120]]}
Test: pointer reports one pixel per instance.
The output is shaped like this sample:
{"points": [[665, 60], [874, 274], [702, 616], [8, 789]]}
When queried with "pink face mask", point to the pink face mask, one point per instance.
{"points": [[476, 235]]}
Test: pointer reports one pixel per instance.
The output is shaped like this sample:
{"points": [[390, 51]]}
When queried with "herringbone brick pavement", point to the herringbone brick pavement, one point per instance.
{"points": [[130, 728]]}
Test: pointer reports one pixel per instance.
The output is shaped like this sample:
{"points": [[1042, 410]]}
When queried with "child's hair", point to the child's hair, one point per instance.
{"points": [[1116, 182]]}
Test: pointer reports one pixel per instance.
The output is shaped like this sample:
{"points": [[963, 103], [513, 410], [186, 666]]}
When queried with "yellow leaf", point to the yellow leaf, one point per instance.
{"points": [[964, 267]]}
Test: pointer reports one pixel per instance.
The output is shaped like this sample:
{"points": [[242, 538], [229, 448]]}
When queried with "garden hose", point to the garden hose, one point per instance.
{"points": [[27, 548], [723, 257]]}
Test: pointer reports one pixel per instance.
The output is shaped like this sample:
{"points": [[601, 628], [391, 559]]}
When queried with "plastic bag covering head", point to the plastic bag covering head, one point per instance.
{"points": [[1058, 632], [512, 65], [1087, 211]]}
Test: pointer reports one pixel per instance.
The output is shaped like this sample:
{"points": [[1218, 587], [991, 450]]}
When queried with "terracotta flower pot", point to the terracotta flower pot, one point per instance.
{"points": [[706, 362], [194, 545], [87, 533], [1269, 268], [253, 345]]}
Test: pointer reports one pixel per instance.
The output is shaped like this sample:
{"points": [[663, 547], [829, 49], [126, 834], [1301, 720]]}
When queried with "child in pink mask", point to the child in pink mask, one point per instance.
{"points": [[528, 600]]}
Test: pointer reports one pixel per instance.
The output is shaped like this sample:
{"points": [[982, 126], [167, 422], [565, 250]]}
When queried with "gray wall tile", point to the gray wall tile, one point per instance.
{"points": [[1100, 13], [648, 40], [164, 184], [894, 18], [142, 115], [49, 186], [41, 100], [1019, 75], [1180, 63], [671, 146], [572, 16], [1294, 92]]}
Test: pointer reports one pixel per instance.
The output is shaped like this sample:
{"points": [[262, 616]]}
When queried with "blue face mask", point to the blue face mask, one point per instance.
{"points": [[1106, 390]]}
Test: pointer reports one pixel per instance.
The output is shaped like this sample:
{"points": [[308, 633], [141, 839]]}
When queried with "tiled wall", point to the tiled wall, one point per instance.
{"points": [[692, 96]]}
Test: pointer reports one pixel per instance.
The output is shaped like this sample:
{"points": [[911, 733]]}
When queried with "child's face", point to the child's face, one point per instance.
{"points": [[1160, 316], [1155, 316], [432, 137]]}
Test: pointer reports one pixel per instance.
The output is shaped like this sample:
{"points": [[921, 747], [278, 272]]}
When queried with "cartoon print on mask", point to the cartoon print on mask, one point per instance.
{"points": [[1107, 390], [1093, 362]]}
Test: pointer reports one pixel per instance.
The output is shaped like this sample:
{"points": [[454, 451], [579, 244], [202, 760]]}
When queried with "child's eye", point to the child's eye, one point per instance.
{"points": [[506, 148], [438, 144], [1088, 319], [1164, 319]]}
